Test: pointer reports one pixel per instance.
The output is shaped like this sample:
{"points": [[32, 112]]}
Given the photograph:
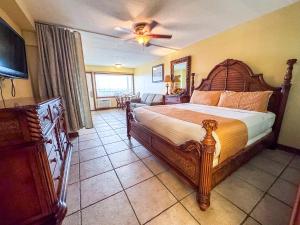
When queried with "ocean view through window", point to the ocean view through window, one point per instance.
{"points": [[111, 85]]}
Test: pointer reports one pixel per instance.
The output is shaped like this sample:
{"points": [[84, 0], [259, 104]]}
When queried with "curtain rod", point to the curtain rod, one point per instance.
{"points": [[77, 29], [93, 32]]}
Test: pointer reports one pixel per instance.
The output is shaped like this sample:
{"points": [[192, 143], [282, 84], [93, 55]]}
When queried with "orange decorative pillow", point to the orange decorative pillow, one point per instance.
{"points": [[206, 97], [252, 101]]}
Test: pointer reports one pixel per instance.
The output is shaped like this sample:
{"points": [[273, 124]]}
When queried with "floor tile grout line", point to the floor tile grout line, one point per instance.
{"points": [[266, 192], [87, 206], [263, 169], [140, 159], [248, 215], [127, 198], [248, 182], [125, 193], [162, 213], [79, 183], [103, 171], [122, 187], [178, 201], [266, 189], [265, 157]]}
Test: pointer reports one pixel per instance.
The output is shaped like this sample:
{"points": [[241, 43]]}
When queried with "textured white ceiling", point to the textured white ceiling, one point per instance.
{"points": [[188, 20]]}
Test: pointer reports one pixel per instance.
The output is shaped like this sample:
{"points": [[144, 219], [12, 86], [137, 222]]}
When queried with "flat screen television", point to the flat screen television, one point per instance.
{"points": [[12, 53]]}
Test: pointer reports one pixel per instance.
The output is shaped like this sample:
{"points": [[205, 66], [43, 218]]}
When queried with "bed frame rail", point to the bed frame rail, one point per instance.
{"points": [[194, 160]]}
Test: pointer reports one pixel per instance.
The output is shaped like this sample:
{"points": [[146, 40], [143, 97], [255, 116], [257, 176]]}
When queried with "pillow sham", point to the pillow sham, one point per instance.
{"points": [[252, 101], [205, 97]]}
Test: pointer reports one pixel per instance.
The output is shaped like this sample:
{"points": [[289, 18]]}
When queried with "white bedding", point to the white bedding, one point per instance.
{"points": [[178, 131]]}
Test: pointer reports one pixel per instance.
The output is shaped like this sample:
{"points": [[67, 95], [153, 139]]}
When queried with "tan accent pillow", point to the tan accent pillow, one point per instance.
{"points": [[252, 101], [205, 97]]}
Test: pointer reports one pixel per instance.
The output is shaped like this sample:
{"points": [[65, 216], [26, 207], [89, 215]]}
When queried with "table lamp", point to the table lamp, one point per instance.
{"points": [[167, 80]]}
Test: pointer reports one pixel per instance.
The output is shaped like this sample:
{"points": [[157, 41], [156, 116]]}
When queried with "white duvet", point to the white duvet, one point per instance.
{"points": [[178, 131]]}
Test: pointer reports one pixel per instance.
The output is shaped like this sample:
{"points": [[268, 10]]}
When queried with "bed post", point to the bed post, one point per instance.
{"points": [[206, 164], [193, 84], [128, 117], [285, 89]]}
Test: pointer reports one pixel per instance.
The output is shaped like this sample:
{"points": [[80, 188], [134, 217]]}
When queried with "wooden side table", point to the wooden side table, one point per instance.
{"points": [[176, 99]]}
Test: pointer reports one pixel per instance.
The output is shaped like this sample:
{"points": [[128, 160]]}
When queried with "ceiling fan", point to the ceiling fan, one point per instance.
{"points": [[142, 33]]}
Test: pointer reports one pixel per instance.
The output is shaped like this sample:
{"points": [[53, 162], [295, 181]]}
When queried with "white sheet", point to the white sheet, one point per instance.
{"points": [[178, 131]]}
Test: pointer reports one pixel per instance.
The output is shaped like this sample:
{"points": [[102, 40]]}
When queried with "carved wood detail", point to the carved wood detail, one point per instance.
{"points": [[206, 164], [35, 162], [228, 75], [235, 75]]}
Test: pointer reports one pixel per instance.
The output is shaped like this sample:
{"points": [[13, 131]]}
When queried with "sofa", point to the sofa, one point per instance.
{"points": [[147, 99]]}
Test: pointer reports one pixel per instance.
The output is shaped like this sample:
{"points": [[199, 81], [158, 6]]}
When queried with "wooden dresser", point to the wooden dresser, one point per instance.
{"points": [[176, 99], [35, 154]]}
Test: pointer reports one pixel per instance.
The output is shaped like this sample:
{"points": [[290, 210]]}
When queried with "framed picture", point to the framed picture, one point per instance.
{"points": [[158, 73]]}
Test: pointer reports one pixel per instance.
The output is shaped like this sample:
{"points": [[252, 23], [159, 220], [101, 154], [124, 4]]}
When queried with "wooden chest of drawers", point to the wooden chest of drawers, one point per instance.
{"points": [[35, 154]]}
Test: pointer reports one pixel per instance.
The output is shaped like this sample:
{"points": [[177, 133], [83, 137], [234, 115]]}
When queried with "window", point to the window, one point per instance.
{"points": [[110, 85]]}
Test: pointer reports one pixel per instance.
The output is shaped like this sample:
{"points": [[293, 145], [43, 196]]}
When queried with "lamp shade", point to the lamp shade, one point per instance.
{"points": [[177, 78], [167, 79]]}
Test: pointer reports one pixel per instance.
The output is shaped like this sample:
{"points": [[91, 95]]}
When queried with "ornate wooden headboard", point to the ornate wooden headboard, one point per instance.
{"points": [[235, 75]]}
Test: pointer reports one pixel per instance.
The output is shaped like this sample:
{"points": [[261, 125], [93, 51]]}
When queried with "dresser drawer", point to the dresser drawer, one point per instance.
{"points": [[53, 159], [55, 108], [56, 175], [45, 119], [172, 99]]}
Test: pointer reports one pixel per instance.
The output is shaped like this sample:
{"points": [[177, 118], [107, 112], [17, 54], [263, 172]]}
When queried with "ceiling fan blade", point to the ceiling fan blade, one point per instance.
{"points": [[160, 46], [150, 26], [123, 29], [128, 39], [147, 44], [167, 36]]}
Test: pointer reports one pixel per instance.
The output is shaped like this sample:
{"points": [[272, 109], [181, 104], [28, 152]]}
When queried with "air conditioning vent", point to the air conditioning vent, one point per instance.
{"points": [[103, 103]]}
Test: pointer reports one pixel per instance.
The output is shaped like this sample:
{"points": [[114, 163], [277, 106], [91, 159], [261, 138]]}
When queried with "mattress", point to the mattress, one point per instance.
{"points": [[178, 131]]}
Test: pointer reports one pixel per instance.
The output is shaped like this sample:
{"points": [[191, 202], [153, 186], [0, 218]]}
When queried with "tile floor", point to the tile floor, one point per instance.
{"points": [[117, 181]]}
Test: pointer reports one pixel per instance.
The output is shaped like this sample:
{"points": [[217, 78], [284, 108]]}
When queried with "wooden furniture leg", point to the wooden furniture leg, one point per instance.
{"points": [[206, 164], [128, 117]]}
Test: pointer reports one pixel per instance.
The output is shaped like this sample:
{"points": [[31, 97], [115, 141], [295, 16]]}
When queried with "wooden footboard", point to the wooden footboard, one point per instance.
{"points": [[192, 160]]}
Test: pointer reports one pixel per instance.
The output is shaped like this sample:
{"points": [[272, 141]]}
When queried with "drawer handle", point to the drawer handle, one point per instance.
{"points": [[54, 160], [48, 141], [56, 108], [47, 117]]}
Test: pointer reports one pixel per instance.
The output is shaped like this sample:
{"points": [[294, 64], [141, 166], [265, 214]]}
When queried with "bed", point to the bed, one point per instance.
{"points": [[193, 149]]}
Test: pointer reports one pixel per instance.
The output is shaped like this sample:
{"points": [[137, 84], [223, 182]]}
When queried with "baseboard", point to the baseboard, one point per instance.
{"points": [[73, 134], [288, 149], [106, 108]]}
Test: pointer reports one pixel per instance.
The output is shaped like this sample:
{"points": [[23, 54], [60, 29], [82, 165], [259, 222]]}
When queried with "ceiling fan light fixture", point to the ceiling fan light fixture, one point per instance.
{"points": [[142, 39]]}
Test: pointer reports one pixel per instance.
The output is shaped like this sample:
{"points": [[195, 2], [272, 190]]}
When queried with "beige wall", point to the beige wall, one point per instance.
{"points": [[264, 44], [23, 87], [109, 69]]}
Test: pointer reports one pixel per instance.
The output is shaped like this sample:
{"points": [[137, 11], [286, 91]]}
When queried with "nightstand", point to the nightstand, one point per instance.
{"points": [[176, 99]]}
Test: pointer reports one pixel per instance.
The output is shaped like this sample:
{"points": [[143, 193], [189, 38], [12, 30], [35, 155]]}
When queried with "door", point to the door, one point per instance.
{"points": [[90, 86]]}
